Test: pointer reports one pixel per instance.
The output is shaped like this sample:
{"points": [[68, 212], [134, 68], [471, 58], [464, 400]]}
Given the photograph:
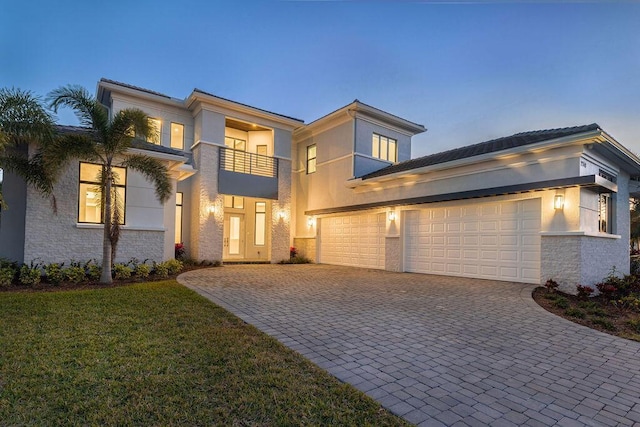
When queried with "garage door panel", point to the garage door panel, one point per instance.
{"points": [[355, 240], [497, 240]]}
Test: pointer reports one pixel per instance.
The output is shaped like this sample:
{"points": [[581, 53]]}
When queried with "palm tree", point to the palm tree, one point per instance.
{"points": [[107, 144], [24, 121]]}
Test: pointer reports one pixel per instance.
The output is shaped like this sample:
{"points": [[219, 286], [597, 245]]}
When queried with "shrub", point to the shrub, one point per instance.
{"points": [[575, 312], [93, 271], [296, 260], [74, 274], [561, 302], [551, 285], [604, 323], [293, 252], [174, 266], [142, 271], [121, 271], [635, 324], [587, 305], [630, 302], [607, 290], [30, 274], [634, 266], [584, 292], [7, 274], [53, 273], [161, 269], [180, 251]]}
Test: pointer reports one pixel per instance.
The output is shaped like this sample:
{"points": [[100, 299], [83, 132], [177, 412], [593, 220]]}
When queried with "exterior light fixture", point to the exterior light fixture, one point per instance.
{"points": [[310, 221], [281, 215], [558, 202], [211, 209], [392, 216]]}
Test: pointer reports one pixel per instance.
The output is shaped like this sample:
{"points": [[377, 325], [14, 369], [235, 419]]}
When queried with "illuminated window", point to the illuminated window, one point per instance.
{"points": [[261, 223], [178, 218], [90, 198], [604, 213], [177, 136], [384, 148], [311, 158], [234, 202], [156, 131]]}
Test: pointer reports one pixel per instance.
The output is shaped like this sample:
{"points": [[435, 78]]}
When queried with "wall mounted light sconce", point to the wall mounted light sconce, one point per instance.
{"points": [[310, 222], [211, 209], [281, 214], [392, 216], [558, 202]]}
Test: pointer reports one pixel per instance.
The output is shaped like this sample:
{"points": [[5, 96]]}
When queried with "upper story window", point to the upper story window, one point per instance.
{"points": [[177, 136], [90, 193], [384, 148], [604, 213], [156, 131], [311, 158], [235, 202]]}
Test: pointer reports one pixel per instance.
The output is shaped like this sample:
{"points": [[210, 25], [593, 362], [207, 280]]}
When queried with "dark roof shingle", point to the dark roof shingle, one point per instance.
{"points": [[494, 145]]}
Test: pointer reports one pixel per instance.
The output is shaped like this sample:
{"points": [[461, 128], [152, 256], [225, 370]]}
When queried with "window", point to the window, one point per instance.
{"points": [[311, 158], [235, 202], [90, 193], [261, 150], [261, 223], [604, 213], [156, 131], [177, 136], [384, 148], [178, 218]]}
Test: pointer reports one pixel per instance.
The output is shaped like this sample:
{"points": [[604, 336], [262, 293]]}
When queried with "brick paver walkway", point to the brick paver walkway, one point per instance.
{"points": [[437, 350]]}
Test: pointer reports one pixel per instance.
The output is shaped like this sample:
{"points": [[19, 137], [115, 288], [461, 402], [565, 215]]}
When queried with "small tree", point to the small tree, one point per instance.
{"points": [[108, 144]]}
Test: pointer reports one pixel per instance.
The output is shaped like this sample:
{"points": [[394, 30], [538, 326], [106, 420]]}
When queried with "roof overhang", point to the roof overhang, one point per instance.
{"points": [[596, 183]]}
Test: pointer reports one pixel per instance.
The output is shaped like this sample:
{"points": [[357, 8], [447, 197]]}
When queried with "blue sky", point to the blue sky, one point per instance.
{"points": [[469, 71]]}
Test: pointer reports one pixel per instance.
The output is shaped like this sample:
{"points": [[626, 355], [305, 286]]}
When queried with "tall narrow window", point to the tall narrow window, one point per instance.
{"points": [[177, 136], [90, 198], [261, 222], [156, 131], [384, 148], [311, 158], [604, 213], [178, 218]]}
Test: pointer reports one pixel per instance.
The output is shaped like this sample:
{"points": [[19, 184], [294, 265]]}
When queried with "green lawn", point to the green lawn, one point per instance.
{"points": [[157, 354]]}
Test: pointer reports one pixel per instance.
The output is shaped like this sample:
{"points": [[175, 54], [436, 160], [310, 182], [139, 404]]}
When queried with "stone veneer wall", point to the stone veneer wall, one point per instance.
{"points": [[281, 227], [306, 247], [585, 260], [206, 227], [392, 253], [57, 237]]}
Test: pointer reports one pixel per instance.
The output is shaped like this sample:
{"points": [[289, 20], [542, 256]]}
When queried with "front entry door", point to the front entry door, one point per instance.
{"points": [[233, 236]]}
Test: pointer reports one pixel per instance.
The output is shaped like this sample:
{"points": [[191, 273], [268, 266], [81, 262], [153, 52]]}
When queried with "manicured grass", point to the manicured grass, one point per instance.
{"points": [[157, 354]]}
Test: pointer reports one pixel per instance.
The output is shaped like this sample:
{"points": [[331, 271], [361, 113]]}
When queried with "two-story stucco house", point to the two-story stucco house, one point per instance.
{"points": [[344, 190]]}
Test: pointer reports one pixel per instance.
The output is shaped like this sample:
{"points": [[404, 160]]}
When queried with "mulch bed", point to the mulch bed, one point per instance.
{"points": [[596, 313]]}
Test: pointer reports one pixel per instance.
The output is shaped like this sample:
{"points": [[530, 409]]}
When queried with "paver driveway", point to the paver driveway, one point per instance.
{"points": [[437, 350]]}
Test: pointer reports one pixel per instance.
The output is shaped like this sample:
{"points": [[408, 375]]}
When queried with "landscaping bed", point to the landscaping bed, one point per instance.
{"points": [[618, 316]]}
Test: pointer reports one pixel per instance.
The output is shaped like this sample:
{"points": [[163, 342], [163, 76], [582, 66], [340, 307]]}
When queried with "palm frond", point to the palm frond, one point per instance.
{"points": [[23, 118], [63, 148], [32, 170], [154, 170], [87, 109], [129, 124]]}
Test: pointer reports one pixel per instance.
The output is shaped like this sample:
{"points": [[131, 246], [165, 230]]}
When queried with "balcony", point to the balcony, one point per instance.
{"points": [[247, 174]]}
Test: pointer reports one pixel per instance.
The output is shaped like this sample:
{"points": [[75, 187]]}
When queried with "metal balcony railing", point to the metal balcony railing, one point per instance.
{"points": [[249, 163]]}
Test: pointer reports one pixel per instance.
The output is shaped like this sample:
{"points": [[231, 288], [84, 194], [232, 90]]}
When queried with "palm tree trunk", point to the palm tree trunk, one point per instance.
{"points": [[106, 240]]}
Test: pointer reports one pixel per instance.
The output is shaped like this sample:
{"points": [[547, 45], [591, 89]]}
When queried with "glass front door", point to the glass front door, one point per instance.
{"points": [[233, 236]]}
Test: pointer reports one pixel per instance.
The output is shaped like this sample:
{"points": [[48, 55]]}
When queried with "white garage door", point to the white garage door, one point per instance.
{"points": [[492, 241], [354, 240]]}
